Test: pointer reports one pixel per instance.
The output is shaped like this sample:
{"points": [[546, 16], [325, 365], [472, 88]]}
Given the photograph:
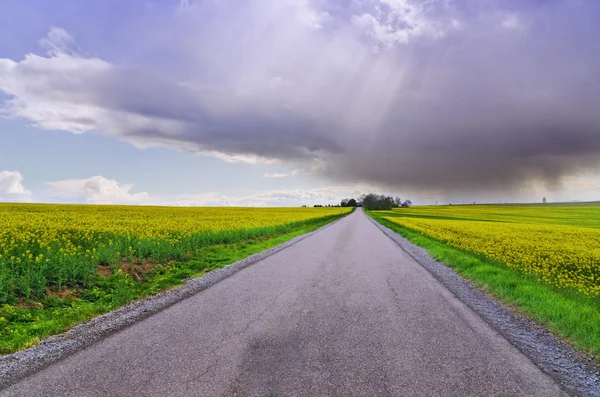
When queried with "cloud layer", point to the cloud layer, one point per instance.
{"points": [[101, 190], [447, 95]]}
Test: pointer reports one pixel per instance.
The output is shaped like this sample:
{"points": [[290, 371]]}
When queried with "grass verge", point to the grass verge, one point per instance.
{"points": [[26, 323], [569, 314]]}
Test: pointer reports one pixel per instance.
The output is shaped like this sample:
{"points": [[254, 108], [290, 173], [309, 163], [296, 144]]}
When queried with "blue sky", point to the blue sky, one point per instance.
{"points": [[298, 101]]}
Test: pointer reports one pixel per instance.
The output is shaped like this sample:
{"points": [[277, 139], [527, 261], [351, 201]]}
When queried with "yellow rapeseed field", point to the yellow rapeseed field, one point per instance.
{"points": [[42, 245], [559, 244]]}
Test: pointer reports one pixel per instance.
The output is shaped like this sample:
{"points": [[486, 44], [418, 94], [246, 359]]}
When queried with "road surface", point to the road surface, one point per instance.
{"points": [[344, 312]]}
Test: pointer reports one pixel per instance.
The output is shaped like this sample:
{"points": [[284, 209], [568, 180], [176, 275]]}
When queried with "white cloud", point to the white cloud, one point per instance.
{"points": [[49, 91], [57, 41], [308, 15], [282, 175], [239, 158], [274, 175], [11, 187], [96, 190], [397, 21]]}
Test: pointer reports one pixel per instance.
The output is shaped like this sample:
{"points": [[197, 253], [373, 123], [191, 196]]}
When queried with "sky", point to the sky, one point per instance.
{"points": [[292, 102]]}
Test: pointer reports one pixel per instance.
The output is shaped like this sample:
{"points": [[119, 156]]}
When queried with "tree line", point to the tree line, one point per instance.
{"points": [[372, 201], [375, 202]]}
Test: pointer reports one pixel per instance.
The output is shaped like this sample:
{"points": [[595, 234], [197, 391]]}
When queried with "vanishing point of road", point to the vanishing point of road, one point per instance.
{"points": [[344, 312]]}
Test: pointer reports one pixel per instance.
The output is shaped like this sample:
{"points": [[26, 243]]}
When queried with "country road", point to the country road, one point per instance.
{"points": [[344, 312]]}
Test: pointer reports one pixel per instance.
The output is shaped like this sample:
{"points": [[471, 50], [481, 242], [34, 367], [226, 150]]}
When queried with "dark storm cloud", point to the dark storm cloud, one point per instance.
{"points": [[492, 105], [450, 95]]}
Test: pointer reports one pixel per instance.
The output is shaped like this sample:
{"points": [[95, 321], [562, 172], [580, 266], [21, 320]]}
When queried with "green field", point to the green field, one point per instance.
{"points": [[544, 260]]}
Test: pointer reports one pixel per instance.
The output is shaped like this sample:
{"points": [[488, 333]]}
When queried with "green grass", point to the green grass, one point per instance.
{"points": [[24, 324], [569, 314]]}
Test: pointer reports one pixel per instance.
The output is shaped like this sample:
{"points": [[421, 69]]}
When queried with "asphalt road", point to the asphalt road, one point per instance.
{"points": [[345, 312]]}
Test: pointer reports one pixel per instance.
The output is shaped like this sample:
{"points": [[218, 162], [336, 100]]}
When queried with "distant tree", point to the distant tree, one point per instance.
{"points": [[389, 200], [370, 201], [398, 201], [351, 203], [344, 203], [544, 200], [374, 201]]}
